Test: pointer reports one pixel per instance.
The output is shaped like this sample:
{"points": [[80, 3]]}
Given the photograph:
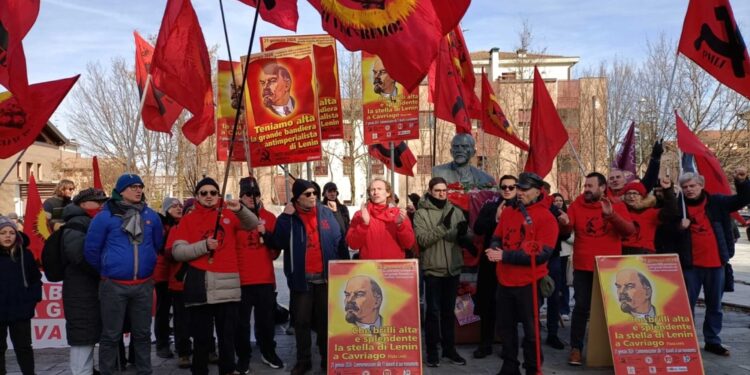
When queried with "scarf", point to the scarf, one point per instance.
{"points": [[439, 203], [132, 222]]}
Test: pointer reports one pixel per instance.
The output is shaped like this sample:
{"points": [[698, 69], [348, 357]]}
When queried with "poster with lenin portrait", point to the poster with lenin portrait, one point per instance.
{"points": [[326, 74], [282, 107]]}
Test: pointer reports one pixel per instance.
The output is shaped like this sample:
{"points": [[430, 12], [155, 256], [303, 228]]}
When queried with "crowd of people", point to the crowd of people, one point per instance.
{"points": [[210, 263]]}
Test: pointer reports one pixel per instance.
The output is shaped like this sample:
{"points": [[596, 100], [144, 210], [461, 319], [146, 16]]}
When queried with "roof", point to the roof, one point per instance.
{"points": [[51, 135], [485, 55]]}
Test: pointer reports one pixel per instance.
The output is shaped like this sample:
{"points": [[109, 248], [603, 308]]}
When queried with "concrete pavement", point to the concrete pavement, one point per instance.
{"points": [[735, 335]]}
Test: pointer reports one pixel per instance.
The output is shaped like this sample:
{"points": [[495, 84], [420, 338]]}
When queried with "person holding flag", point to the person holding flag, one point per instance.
{"points": [[646, 216], [706, 244]]}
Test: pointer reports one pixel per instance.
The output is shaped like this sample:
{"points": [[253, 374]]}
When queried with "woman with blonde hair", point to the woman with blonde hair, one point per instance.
{"points": [[62, 197]]}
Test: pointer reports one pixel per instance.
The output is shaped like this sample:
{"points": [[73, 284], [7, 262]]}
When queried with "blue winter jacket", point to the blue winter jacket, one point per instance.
{"points": [[291, 226], [109, 250]]}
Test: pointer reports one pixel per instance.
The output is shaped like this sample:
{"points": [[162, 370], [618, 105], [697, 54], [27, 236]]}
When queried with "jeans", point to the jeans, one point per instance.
{"points": [[260, 299], [161, 320], [182, 343], [553, 301], [115, 299], [440, 296], [310, 311], [202, 329], [485, 301], [712, 281], [20, 336], [82, 359], [582, 284], [516, 305], [564, 288]]}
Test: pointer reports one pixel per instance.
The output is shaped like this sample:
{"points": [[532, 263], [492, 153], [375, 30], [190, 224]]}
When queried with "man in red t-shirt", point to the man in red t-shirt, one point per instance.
{"points": [[707, 244], [599, 223]]}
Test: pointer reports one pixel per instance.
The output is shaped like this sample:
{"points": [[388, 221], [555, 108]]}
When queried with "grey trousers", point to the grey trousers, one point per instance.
{"points": [[116, 299]]}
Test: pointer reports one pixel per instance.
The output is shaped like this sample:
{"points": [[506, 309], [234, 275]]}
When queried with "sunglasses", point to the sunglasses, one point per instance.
{"points": [[204, 193], [310, 193], [508, 187]]}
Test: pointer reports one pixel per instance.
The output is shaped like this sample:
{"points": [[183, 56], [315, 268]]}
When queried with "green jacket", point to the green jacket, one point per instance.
{"points": [[439, 253]]}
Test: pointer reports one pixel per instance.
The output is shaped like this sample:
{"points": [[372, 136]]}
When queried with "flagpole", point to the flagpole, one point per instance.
{"points": [[578, 159], [393, 166], [131, 157], [240, 102], [13, 165], [665, 108], [234, 128]]}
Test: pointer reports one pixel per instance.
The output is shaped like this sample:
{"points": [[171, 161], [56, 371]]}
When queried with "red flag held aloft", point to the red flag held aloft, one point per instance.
{"points": [[453, 84], [405, 34], [182, 70], [21, 123], [159, 111], [493, 118], [35, 220], [711, 38], [97, 176], [708, 165], [403, 158], [16, 19], [547, 134], [282, 13]]}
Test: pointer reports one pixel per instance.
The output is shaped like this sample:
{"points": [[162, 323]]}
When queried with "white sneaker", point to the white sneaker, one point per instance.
{"points": [[565, 317]]}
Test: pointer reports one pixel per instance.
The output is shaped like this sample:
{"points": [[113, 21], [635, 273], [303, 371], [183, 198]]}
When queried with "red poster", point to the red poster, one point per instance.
{"points": [[326, 74], [225, 112], [373, 317], [389, 112], [648, 316], [282, 106]]}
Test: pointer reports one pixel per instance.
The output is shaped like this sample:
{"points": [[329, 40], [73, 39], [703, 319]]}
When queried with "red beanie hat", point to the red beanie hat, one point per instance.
{"points": [[637, 186]]}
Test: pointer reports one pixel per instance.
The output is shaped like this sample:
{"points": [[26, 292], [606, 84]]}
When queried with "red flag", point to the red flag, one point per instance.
{"points": [[403, 158], [35, 220], [20, 124], [711, 38], [547, 134], [453, 85], [159, 111], [97, 177], [282, 13], [16, 19], [708, 165], [181, 68], [493, 118], [405, 34]]}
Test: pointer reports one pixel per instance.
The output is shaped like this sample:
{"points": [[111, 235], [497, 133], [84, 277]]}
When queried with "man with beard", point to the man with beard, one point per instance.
{"points": [[599, 225], [276, 83], [634, 293], [382, 83], [363, 299], [459, 170]]}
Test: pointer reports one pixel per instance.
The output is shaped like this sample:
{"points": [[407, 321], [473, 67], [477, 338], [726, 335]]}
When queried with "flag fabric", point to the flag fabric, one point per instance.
{"points": [[493, 118], [97, 176], [182, 70], [35, 224], [710, 37], [403, 159], [547, 134], [21, 123], [16, 19], [282, 13], [452, 83], [708, 165], [392, 29], [159, 111], [625, 159]]}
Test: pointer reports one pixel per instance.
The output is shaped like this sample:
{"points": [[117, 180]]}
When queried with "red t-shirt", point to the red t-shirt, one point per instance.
{"points": [[313, 254], [702, 236], [594, 234], [645, 223], [255, 258]]}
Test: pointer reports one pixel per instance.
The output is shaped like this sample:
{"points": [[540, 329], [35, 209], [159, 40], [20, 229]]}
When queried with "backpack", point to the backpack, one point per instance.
{"points": [[53, 259]]}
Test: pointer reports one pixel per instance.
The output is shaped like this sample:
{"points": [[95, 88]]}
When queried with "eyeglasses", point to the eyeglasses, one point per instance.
{"points": [[310, 193], [135, 187], [204, 193], [507, 187]]}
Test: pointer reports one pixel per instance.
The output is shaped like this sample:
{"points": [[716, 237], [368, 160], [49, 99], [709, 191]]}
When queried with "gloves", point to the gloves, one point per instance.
{"points": [[447, 218], [463, 228], [657, 150]]}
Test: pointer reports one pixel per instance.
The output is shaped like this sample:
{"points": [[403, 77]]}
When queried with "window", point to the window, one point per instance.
{"points": [[507, 76], [424, 164], [426, 119], [39, 172], [377, 168], [348, 163], [320, 167], [481, 160], [29, 170], [348, 131]]}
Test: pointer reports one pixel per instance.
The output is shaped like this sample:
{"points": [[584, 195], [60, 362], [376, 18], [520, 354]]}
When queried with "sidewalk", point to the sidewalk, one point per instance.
{"points": [[735, 335]]}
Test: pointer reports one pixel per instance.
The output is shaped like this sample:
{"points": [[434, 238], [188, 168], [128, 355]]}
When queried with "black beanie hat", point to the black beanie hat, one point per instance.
{"points": [[249, 186], [205, 181], [299, 187]]}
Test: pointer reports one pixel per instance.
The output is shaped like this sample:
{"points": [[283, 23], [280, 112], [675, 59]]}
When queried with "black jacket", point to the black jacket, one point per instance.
{"points": [[20, 285], [80, 285]]}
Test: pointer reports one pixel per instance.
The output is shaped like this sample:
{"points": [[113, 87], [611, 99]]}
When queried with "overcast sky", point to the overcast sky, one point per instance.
{"points": [[71, 33]]}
